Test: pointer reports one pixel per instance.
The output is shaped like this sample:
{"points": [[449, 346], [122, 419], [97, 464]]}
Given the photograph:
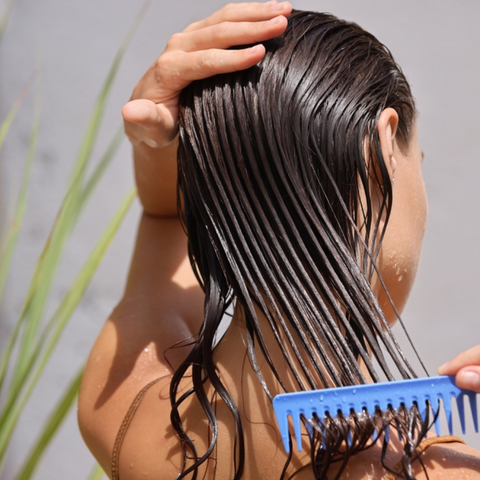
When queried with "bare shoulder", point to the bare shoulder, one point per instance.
{"points": [[161, 309], [130, 352], [115, 372], [447, 461], [151, 448]]}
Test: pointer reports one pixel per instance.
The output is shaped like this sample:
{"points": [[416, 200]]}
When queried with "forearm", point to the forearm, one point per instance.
{"points": [[156, 178]]}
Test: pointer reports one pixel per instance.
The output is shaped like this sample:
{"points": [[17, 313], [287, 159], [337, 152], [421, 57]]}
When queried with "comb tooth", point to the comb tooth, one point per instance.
{"points": [[408, 401], [387, 433], [297, 427], [437, 419], [427, 407], [472, 397], [382, 403], [284, 409], [461, 412], [354, 406], [282, 420], [308, 425], [322, 436], [423, 411], [447, 404]]}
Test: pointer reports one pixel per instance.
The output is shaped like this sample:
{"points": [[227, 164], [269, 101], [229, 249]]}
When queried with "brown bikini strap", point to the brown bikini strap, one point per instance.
{"points": [[124, 427], [424, 444]]}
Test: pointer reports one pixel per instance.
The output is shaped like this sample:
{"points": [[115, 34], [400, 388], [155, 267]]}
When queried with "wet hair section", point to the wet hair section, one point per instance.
{"points": [[285, 197]]}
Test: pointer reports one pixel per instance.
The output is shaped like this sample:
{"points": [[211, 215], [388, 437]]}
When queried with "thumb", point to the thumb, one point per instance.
{"points": [[141, 112], [147, 122], [469, 378]]}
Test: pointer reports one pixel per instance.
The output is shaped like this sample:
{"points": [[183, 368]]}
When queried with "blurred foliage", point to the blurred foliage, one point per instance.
{"points": [[34, 337]]}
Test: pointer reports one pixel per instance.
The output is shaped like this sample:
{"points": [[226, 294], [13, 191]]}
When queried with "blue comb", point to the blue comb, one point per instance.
{"points": [[360, 397]]}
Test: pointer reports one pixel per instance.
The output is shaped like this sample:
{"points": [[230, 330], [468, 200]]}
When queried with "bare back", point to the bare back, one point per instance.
{"points": [[162, 307]]}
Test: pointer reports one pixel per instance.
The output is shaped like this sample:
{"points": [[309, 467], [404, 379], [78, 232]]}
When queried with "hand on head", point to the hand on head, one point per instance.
{"points": [[466, 368], [200, 51]]}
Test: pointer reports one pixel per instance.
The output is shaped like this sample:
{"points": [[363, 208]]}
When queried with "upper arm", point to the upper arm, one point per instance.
{"points": [[161, 308]]}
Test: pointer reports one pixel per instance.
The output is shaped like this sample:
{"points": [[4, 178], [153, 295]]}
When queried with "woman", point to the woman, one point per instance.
{"points": [[286, 202]]}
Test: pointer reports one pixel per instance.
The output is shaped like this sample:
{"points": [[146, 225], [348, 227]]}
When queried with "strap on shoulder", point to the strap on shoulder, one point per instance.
{"points": [[124, 427]]}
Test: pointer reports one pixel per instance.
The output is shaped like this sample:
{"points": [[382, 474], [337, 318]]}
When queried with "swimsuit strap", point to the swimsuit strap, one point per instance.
{"points": [[424, 444], [124, 427]]}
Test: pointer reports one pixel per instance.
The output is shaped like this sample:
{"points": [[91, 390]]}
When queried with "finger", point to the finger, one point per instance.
{"points": [[243, 12], [469, 378], [213, 62], [228, 34], [142, 112], [177, 70], [147, 122], [469, 357]]}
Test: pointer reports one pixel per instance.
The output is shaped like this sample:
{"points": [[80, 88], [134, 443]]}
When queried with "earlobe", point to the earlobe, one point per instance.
{"points": [[387, 127]]}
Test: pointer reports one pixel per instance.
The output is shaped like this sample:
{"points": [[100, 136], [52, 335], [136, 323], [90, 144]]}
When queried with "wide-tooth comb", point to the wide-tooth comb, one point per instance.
{"points": [[369, 396]]}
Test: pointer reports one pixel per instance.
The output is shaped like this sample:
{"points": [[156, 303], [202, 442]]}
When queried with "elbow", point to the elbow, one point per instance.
{"points": [[93, 429]]}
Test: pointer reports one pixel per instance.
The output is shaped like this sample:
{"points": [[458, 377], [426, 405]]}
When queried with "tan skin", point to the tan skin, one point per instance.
{"points": [[163, 304]]}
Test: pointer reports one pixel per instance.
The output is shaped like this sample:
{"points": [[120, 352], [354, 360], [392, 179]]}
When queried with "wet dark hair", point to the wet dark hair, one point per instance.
{"points": [[284, 192]]}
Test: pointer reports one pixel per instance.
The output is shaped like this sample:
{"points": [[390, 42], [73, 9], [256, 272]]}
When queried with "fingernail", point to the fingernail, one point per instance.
{"points": [[271, 2], [254, 50], [278, 6], [442, 368], [274, 21], [470, 380]]}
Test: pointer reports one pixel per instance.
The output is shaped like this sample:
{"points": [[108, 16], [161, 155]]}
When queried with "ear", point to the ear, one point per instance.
{"points": [[387, 127]]}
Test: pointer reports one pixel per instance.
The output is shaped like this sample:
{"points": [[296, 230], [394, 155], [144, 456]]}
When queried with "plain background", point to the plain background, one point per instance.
{"points": [[435, 41]]}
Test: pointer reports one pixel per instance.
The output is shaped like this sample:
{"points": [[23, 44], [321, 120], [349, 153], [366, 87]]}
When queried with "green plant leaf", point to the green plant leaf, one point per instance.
{"points": [[93, 126], [7, 251], [31, 345], [7, 122], [86, 192], [17, 402], [100, 168], [51, 427], [97, 473], [5, 17], [12, 236], [103, 163], [34, 305]]}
